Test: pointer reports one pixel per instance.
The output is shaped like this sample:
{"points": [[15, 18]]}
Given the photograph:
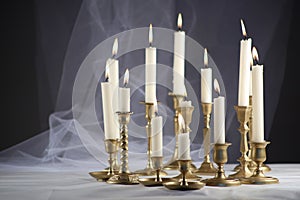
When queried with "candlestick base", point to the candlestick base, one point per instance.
{"points": [[259, 156], [124, 178], [206, 168], [220, 158], [183, 182]]}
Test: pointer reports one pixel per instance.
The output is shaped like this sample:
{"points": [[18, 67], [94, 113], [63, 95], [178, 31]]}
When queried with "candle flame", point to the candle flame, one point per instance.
{"points": [[181, 122], [106, 72], [115, 47], [217, 86], [205, 58], [155, 107], [255, 54], [179, 21], [150, 34], [126, 77], [243, 28]]}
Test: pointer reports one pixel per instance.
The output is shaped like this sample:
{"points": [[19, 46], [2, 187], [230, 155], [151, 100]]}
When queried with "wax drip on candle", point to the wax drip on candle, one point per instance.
{"points": [[115, 48], [244, 29], [126, 78], [217, 87], [255, 56], [205, 58], [179, 22], [150, 35]]}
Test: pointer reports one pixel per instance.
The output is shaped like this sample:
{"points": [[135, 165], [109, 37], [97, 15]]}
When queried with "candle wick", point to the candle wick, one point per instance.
{"points": [[150, 44], [255, 62], [106, 79]]}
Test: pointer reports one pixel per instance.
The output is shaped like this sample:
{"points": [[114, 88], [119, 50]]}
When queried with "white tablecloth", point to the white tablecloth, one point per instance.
{"points": [[42, 185]]}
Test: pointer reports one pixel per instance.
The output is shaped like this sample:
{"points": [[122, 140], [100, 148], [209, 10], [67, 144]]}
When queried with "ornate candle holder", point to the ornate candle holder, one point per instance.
{"points": [[183, 182], [172, 164], [111, 147], [220, 158], [206, 166], [259, 156], [149, 114], [157, 180], [124, 176], [243, 114]]}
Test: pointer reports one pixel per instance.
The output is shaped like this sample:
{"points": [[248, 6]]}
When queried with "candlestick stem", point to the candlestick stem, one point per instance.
{"points": [[157, 180], [243, 113], [206, 166], [124, 176]]}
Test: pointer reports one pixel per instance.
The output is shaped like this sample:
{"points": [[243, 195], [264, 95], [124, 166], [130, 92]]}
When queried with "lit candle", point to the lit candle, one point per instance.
{"points": [[219, 116], [206, 81], [150, 72], [178, 59], [110, 130], [258, 100], [244, 73], [124, 95], [183, 142], [157, 137]]}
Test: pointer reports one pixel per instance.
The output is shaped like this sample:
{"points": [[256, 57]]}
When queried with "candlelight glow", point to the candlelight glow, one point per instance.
{"points": [[150, 34], [181, 122], [126, 77], [255, 54], [243, 28], [179, 21], [115, 47], [217, 86], [205, 58]]}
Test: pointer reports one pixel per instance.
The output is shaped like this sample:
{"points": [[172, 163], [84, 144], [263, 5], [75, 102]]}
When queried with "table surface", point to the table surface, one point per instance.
{"points": [[75, 185]]}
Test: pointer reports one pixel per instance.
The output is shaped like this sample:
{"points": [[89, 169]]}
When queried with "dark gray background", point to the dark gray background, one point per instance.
{"points": [[36, 34]]}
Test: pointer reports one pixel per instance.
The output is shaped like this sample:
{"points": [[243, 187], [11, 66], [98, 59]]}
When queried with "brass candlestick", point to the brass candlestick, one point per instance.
{"points": [[220, 158], [206, 166], [259, 156], [111, 147], [243, 114], [172, 164], [124, 176], [149, 114], [157, 180], [184, 183]]}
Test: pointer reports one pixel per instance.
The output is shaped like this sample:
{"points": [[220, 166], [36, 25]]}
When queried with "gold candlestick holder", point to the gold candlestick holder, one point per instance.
{"points": [[220, 158], [111, 147], [157, 180], [243, 114], [172, 163], [149, 114], [183, 182], [124, 176], [206, 167], [259, 156]]}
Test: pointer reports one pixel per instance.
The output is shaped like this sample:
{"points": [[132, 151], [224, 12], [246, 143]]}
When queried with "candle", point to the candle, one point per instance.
{"points": [[111, 131], [178, 59], [219, 116], [258, 100], [150, 72], [157, 137], [206, 81], [244, 73], [183, 141], [124, 95], [184, 146], [185, 104]]}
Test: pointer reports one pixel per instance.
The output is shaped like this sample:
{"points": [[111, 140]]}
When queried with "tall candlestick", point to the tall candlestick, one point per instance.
{"points": [[108, 113], [178, 60], [244, 73], [124, 95], [219, 116], [206, 81], [258, 100], [184, 146], [150, 72], [157, 137]]}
